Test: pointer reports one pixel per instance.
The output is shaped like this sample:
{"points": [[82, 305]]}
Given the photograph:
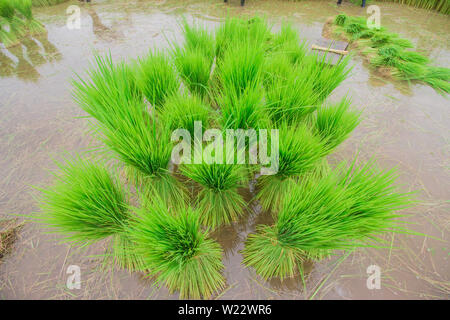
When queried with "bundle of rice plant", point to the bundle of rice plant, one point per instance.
{"points": [[300, 151], [156, 77], [218, 200], [176, 251], [333, 123], [88, 203], [126, 127], [245, 111], [180, 111], [346, 208], [240, 68], [195, 69], [232, 32]]}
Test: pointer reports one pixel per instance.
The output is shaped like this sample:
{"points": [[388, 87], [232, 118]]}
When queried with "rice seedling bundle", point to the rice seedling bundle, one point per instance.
{"points": [[174, 247], [346, 208], [17, 21], [388, 50], [135, 108]]}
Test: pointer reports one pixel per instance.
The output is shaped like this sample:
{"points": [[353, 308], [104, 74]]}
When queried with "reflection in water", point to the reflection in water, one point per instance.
{"points": [[21, 61], [100, 30]]}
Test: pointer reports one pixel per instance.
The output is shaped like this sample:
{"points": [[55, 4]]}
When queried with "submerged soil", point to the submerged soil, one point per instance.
{"points": [[403, 125]]}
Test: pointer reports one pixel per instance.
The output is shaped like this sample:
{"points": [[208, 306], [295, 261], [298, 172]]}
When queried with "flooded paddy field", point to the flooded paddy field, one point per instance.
{"points": [[404, 125]]}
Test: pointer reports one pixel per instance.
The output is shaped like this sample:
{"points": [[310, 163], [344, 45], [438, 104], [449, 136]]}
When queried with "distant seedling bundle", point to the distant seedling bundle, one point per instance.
{"points": [[158, 216], [391, 52]]}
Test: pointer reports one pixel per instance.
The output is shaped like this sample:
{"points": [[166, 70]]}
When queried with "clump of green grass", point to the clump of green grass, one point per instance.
{"points": [[245, 111], [232, 32], [156, 77], [182, 110], [195, 69], [176, 250], [334, 123], [88, 203], [300, 151], [198, 38], [293, 97], [126, 127], [218, 200], [240, 68], [346, 208], [340, 19]]}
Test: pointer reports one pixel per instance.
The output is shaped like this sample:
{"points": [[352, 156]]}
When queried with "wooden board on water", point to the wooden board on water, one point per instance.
{"points": [[333, 58]]}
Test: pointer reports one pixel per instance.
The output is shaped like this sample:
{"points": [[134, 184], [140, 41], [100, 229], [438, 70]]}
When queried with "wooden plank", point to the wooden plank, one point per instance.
{"points": [[336, 45]]}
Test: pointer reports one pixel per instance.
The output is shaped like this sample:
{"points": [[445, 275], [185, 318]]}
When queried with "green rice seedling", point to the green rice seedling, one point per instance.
{"points": [[176, 250], [7, 9], [195, 69], [366, 34], [156, 77], [126, 127], [384, 38], [404, 43], [354, 28], [300, 151], [233, 32], [182, 110], [88, 203], [327, 77], [246, 111], [277, 66], [340, 20], [437, 78], [308, 85], [218, 200], [198, 38], [240, 68], [412, 56], [386, 56], [334, 123], [11, 27], [285, 37], [293, 97], [296, 52], [439, 73], [109, 88], [347, 208]]}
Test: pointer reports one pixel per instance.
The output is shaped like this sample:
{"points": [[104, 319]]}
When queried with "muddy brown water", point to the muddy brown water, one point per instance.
{"points": [[404, 125]]}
